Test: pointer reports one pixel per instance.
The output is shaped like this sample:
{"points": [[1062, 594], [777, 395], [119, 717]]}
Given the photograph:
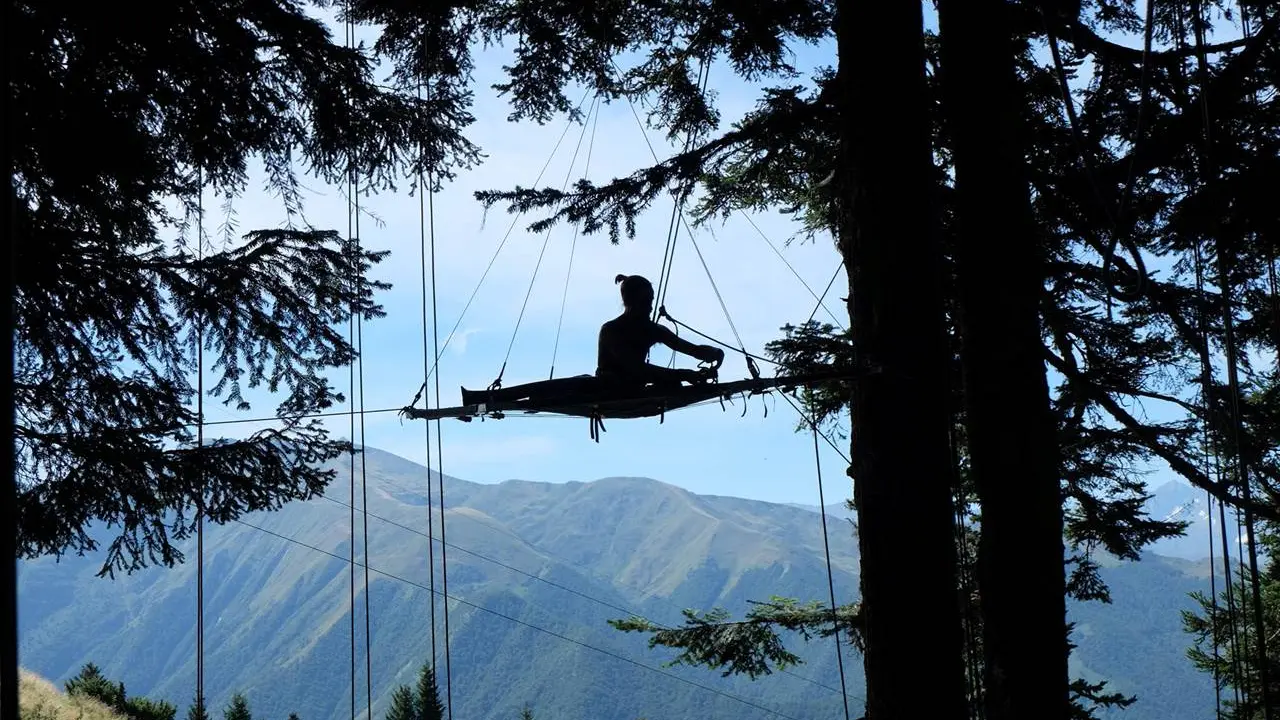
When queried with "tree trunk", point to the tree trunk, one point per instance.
{"points": [[1011, 431], [889, 236]]}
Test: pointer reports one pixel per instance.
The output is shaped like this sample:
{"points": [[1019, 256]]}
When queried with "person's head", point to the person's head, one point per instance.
{"points": [[637, 293]]}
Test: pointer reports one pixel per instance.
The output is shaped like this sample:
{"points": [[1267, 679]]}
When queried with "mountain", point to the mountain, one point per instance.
{"points": [[534, 572], [1180, 501]]}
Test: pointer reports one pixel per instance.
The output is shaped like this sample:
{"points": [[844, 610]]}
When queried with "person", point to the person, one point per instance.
{"points": [[625, 341]]}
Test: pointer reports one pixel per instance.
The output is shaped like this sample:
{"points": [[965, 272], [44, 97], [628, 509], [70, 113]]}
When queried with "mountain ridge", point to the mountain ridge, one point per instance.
{"points": [[530, 564]]}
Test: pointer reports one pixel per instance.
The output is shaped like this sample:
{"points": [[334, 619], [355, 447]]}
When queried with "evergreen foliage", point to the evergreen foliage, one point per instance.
{"points": [[420, 702], [1169, 158], [196, 711], [237, 709], [427, 699], [122, 133], [402, 705], [1225, 635], [90, 682]]}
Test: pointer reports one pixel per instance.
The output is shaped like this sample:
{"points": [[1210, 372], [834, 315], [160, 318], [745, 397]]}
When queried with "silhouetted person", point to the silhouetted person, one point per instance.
{"points": [[626, 339]]}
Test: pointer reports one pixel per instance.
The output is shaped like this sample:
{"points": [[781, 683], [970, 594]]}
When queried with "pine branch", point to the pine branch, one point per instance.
{"points": [[752, 646]]}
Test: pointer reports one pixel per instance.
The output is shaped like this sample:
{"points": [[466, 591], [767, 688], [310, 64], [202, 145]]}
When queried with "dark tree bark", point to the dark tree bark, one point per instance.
{"points": [[889, 237], [1011, 431]]}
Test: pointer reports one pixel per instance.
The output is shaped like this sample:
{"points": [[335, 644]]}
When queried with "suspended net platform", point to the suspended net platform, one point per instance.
{"points": [[592, 397]]}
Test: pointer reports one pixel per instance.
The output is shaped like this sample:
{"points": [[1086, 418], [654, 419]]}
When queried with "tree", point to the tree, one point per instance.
{"points": [[197, 711], [402, 705], [120, 136], [1010, 429], [1225, 638], [237, 709], [141, 708], [90, 682], [427, 699], [526, 713], [1106, 362]]}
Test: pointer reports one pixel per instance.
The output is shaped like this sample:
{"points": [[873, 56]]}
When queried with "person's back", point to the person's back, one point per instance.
{"points": [[625, 341], [624, 345]]}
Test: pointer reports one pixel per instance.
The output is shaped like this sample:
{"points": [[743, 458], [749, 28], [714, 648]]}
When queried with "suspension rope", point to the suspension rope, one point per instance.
{"points": [[704, 75], [357, 390], [444, 553], [790, 267], [506, 236], [594, 114], [364, 485], [200, 444], [426, 214], [1213, 595], [1206, 381], [831, 583], [546, 239], [1240, 461], [682, 194]]}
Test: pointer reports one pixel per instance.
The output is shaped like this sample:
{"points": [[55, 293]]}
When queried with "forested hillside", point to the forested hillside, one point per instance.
{"points": [[536, 569]]}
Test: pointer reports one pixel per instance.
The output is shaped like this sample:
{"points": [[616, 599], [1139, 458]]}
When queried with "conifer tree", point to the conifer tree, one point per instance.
{"points": [[402, 706], [526, 713], [121, 132], [197, 711], [141, 708], [237, 709], [90, 682], [427, 698]]}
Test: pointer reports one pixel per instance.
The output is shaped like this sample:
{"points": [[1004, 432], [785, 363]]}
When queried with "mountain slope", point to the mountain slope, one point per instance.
{"points": [[534, 572]]}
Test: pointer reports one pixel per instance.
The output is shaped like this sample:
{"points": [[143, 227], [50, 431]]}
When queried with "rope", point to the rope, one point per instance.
{"points": [[573, 247], [444, 554], [426, 194], [1213, 595], [546, 239], [1206, 381], [200, 444], [1233, 379], [682, 194], [356, 336], [786, 262], [831, 583], [364, 485], [496, 252]]}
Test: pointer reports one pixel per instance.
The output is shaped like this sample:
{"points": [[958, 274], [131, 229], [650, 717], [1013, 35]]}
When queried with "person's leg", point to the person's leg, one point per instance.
{"points": [[668, 377]]}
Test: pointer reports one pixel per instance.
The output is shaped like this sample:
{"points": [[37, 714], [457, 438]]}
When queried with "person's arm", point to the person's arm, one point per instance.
{"points": [[705, 353]]}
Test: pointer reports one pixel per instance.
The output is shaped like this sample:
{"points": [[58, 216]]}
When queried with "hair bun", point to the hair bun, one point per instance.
{"points": [[619, 278]]}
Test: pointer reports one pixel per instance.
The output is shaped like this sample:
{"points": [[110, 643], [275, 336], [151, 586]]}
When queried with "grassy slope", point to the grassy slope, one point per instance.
{"points": [[39, 699]]}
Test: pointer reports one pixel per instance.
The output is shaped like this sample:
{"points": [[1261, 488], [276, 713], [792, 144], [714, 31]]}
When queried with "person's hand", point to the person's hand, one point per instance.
{"points": [[714, 355]]}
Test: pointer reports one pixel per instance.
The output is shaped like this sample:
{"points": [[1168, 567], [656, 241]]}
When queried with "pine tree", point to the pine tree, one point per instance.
{"points": [[90, 682], [526, 713], [294, 716], [120, 133], [237, 709], [999, 292], [141, 708], [403, 706], [197, 711], [427, 697]]}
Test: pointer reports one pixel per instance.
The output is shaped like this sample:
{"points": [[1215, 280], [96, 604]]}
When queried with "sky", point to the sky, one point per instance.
{"points": [[704, 449]]}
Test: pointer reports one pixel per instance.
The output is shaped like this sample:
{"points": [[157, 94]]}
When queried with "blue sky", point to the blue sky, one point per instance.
{"points": [[703, 449]]}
